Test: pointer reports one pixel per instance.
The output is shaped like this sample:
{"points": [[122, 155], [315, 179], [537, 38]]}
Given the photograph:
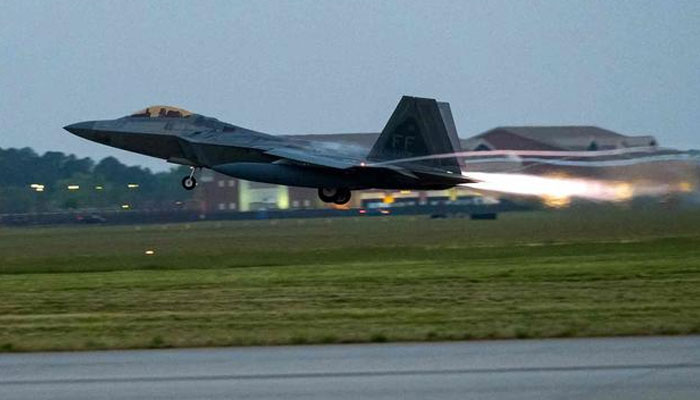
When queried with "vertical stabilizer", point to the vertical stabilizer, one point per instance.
{"points": [[419, 127]]}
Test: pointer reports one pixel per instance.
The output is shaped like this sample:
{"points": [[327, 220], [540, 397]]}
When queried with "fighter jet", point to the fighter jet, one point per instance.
{"points": [[399, 159]]}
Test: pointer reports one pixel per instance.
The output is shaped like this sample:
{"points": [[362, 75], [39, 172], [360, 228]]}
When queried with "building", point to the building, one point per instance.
{"points": [[221, 193], [217, 192], [562, 138]]}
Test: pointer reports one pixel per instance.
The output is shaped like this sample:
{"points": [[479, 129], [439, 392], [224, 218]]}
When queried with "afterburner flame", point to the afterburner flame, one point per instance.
{"points": [[557, 191]]}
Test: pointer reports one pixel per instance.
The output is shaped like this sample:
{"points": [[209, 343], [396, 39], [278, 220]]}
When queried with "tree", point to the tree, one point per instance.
{"points": [[56, 170]]}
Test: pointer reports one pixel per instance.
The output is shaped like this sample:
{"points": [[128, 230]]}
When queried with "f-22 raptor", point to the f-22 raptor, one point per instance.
{"points": [[399, 159]]}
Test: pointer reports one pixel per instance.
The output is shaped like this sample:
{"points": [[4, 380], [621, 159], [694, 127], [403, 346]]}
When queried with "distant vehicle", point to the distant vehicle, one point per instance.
{"points": [[418, 128], [374, 211], [484, 216], [91, 219]]}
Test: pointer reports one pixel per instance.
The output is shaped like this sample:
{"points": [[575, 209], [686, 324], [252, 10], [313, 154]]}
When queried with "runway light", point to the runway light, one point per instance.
{"points": [[623, 192], [556, 201], [685, 187], [98, 187], [73, 187], [132, 185], [150, 252], [37, 186], [125, 206]]}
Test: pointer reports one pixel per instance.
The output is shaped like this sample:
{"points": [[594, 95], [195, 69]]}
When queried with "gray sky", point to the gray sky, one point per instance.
{"points": [[334, 66]]}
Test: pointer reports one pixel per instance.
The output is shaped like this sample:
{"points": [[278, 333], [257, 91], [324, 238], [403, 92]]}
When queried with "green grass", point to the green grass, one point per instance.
{"points": [[573, 273]]}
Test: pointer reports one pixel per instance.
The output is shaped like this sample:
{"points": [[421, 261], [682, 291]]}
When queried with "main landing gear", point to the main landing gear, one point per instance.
{"points": [[338, 196], [190, 182]]}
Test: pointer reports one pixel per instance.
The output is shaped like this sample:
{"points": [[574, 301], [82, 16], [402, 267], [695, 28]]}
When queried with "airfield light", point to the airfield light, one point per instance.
{"points": [[685, 187], [99, 187], [452, 194], [125, 206], [132, 185], [40, 189], [623, 191], [73, 187], [150, 252], [556, 201], [37, 187]]}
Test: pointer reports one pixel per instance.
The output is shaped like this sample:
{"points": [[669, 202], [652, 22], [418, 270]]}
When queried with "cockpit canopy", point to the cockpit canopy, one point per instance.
{"points": [[162, 111]]}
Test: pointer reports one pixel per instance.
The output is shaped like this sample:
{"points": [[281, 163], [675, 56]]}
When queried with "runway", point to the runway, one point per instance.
{"points": [[606, 368]]}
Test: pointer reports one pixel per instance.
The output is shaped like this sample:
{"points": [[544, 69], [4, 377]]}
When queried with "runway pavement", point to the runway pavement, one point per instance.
{"points": [[610, 368]]}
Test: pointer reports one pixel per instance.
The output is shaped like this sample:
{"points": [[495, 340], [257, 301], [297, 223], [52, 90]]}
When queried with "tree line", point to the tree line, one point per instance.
{"points": [[55, 181]]}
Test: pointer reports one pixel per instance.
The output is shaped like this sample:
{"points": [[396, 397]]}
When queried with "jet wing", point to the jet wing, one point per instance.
{"points": [[402, 154], [341, 162], [305, 156]]}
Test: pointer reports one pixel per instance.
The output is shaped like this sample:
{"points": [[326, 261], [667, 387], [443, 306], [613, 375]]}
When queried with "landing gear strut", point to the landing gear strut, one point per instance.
{"points": [[190, 182], [338, 196]]}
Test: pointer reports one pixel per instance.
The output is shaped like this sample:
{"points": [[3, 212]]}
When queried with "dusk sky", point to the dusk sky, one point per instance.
{"points": [[291, 67]]}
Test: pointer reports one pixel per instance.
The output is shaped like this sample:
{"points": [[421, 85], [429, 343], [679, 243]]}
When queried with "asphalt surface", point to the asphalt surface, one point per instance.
{"points": [[611, 368]]}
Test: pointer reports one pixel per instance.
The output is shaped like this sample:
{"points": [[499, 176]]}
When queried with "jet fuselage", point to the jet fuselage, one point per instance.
{"points": [[418, 127]]}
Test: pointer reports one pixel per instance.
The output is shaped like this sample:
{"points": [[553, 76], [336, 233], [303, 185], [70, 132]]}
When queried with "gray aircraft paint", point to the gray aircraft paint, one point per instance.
{"points": [[418, 127]]}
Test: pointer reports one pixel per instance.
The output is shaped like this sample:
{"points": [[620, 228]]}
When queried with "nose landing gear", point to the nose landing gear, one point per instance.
{"points": [[190, 182], [338, 196]]}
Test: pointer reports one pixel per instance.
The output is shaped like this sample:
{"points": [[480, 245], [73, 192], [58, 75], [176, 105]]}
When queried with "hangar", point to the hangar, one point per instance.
{"points": [[562, 138]]}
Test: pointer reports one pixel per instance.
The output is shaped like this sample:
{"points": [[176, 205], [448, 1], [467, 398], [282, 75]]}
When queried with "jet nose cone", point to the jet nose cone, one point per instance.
{"points": [[82, 129]]}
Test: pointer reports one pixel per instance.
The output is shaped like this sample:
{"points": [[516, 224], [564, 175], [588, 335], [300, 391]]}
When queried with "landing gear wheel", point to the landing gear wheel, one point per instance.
{"points": [[342, 197], [327, 195], [189, 182], [334, 195]]}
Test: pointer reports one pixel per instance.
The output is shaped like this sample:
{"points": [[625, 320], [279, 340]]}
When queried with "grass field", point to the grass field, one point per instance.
{"points": [[566, 273]]}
